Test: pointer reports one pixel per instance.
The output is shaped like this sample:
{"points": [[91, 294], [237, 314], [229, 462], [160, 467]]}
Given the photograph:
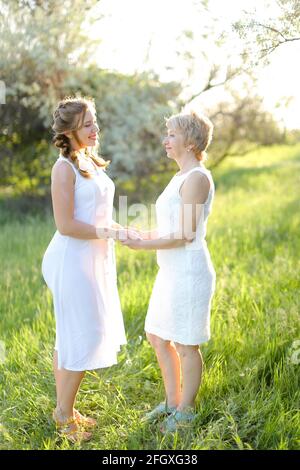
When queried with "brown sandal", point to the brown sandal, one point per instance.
{"points": [[69, 427], [85, 421]]}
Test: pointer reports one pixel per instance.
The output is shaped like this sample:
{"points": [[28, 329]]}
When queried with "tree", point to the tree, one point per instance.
{"points": [[241, 125], [201, 58], [43, 59], [272, 32], [131, 110], [42, 44], [203, 65]]}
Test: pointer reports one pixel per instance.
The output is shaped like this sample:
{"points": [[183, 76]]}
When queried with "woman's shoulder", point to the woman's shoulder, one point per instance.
{"points": [[201, 172], [197, 173], [198, 180], [63, 168]]}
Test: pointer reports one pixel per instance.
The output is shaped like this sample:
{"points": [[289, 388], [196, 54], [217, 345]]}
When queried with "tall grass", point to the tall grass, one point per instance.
{"points": [[249, 397]]}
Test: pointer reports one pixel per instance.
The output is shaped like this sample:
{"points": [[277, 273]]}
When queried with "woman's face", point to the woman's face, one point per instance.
{"points": [[174, 143], [87, 134]]}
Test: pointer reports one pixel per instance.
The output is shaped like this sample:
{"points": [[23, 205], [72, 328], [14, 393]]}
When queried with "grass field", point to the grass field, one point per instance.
{"points": [[250, 394]]}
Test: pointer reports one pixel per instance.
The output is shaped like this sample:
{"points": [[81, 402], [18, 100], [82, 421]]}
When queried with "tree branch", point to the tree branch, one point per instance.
{"points": [[209, 85], [270, 49], [274, 30]]}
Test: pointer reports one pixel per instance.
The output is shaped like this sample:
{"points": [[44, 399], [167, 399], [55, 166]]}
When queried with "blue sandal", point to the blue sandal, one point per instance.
{"points": [[160, 410], [178, 420]]}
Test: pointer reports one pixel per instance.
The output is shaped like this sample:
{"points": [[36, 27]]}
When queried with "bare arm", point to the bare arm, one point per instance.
{"points": [[62, 191], [146, 234], [194, 192], [150, 234], [172, 240]]}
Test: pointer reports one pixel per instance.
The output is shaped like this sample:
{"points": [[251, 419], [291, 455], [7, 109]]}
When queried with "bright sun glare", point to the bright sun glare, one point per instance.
{"points": [[143, 34]]}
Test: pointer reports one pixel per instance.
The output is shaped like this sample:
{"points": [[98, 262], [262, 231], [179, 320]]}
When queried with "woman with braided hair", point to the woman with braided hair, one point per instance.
{"points": [[79, 264]]}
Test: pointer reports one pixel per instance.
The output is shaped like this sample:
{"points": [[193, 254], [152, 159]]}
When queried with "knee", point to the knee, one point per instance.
{"points": [[157, 342], [186, 351]]}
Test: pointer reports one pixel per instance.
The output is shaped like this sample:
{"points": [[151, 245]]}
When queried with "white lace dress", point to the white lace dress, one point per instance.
{"points": [[81, 275], [180, 304]]}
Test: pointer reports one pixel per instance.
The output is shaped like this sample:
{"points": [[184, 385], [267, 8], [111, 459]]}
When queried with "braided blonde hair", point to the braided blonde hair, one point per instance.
{"points": [[69, 117]]}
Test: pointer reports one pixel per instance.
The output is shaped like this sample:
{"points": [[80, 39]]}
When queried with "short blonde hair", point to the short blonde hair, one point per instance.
{"points": [[197, 131]]}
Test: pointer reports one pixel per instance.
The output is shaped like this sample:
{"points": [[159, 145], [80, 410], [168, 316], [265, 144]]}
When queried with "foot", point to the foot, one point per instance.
{"points": [[160, 410], [68, 427], [85, 421], [178, 420]]}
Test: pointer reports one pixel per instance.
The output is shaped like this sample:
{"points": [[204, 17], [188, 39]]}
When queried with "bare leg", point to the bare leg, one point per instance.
{"points": [[169, 364], [56, 373], [191, 368], [67, 385]]}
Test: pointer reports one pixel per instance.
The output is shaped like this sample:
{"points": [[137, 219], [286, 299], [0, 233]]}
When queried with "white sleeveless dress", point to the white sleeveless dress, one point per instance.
{"points": [[180, 304], [81, 275]]}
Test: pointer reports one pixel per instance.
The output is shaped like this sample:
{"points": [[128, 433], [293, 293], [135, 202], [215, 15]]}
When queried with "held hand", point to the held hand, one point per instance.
{"points": [[137, 231], [127, 234], [133, 234], [117, 226]]}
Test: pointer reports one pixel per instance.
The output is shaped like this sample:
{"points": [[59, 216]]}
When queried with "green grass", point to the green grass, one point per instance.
{"points": [[250, 391]]}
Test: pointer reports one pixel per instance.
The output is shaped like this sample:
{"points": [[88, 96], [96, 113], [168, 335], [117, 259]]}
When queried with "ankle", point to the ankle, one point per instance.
{"points": [[64, 412], [172, 403], [186, 407]]}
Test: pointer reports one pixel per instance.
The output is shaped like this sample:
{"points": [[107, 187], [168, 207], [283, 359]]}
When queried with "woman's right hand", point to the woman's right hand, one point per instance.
{"points": [[141, 233]]}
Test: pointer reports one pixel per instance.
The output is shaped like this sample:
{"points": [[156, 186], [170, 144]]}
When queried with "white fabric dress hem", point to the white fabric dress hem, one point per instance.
{"points": [[102, 365], [167, 337]]}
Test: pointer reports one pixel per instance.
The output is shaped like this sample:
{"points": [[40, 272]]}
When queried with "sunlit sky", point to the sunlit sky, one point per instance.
{"points": [[140, 35]]}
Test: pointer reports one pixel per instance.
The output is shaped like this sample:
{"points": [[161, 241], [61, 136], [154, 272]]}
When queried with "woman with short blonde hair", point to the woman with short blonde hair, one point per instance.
{"points": [[178, 317]]}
